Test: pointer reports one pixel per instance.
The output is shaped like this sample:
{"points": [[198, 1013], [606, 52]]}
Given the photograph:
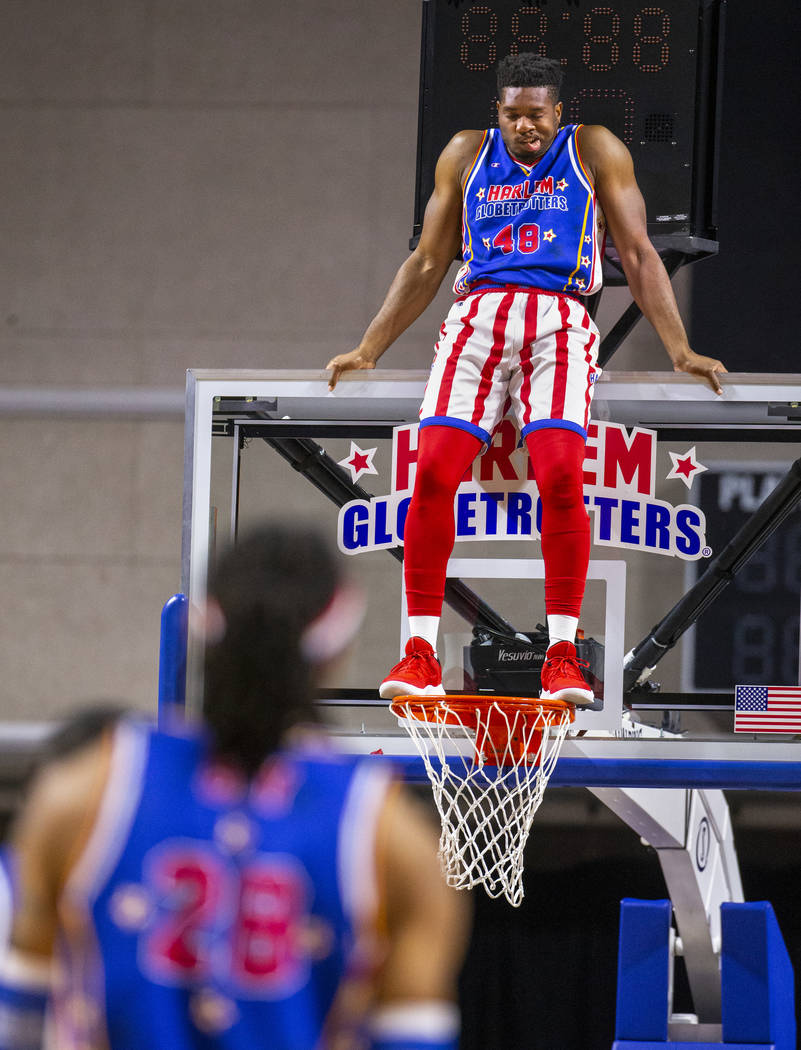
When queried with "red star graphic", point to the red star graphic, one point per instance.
{"points": [[685, 466], [359, 461]]}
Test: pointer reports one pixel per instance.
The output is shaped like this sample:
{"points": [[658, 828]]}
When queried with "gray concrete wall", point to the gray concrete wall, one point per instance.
{"points": [[186, 183]]}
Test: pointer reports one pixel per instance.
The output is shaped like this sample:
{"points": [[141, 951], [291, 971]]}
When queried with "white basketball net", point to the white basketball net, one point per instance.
{"points": [[486, 798]]}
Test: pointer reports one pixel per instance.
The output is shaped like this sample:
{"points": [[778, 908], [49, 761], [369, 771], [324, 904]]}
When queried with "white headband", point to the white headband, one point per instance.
{"points": [[335, 627], [207, 622]]}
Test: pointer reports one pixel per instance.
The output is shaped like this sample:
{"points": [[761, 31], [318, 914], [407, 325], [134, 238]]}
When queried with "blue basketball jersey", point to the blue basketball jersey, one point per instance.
{"points": [[529, 226], [209, 912]]}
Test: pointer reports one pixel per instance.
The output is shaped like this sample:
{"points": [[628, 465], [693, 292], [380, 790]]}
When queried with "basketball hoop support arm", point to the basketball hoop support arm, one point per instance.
{"points": [[643, 658], [692, 834]]}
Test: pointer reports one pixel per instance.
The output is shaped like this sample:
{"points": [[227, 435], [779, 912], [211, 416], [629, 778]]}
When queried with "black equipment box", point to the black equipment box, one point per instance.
{"points": [[510, 665]]}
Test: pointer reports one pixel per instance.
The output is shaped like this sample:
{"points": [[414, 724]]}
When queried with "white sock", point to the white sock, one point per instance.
{"points": [[562, 629], [426, 627]]}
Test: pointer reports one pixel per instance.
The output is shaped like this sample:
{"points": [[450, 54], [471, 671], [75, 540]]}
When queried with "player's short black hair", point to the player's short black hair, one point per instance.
{"points": [[79, 729], [530, 70], [82, 727], [257, 684]]}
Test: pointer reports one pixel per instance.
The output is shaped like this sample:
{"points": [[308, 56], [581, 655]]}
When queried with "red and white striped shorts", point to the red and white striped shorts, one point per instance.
{"points": [[513, 350]]}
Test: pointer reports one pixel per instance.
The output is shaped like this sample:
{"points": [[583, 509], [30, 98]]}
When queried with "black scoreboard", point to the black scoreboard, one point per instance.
{"points": [[649, 71]]}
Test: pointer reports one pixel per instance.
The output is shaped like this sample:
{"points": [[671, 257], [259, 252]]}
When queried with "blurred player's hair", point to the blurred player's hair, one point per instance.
{"points": [[258, 682], [530, 70], [80, 728]]}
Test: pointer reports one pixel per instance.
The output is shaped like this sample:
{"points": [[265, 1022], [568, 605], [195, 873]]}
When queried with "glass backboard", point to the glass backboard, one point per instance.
{"points": [[663, 456]]}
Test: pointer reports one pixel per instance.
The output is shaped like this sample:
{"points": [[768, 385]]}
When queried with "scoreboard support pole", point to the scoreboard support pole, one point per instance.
{"points": [[632, 314]]}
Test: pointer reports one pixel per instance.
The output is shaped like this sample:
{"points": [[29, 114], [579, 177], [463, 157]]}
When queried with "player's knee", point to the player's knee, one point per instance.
{"points": [[558, 457], [560, 485], [431, 489], [444, 455], [563, 494], [436, 480]]}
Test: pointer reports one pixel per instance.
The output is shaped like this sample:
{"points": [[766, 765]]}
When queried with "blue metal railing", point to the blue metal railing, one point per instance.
{"points": [[172, 655]]}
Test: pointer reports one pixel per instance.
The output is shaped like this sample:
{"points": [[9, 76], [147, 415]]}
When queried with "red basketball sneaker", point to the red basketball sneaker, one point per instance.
{"points": [[418, 673], [562, 678]]}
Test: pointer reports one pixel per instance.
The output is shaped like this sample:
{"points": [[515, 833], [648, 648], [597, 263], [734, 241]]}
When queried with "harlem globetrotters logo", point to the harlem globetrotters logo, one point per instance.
{"points": [[498, 499]]}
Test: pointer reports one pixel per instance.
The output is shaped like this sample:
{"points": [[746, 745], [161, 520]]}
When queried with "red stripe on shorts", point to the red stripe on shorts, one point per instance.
{"points": [[529, 338], [495, 354], [446, 384], [560, 373], [590, 371]]}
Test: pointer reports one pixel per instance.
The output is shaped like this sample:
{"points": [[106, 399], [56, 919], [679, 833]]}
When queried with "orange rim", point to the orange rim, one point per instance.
{"points": [[462, 704], [506, 727]]}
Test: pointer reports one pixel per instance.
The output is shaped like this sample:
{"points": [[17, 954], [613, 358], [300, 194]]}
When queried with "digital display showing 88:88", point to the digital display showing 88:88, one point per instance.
{"points": [[531, 28], [625, 40]]}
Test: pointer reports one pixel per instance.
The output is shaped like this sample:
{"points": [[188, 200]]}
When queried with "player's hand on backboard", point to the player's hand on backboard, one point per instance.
{"points": [[354, 360], [706, 368]]}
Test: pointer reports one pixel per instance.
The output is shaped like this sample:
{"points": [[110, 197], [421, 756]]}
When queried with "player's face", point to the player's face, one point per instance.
{"points": [[528, 120]]}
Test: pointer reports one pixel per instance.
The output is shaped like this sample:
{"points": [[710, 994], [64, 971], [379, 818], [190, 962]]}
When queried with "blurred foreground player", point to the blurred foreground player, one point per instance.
{"points": [[72, 735], [242, 887], [525, 207]]}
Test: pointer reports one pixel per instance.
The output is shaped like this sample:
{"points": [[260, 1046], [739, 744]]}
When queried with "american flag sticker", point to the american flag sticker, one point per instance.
{"points": [[767, 709]]}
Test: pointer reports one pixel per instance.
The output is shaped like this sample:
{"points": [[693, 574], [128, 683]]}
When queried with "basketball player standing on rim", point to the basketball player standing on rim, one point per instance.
{"points": [[525, 206]]}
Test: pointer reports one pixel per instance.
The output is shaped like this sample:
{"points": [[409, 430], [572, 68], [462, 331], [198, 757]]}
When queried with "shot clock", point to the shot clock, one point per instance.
{"points": [[649, 71]]}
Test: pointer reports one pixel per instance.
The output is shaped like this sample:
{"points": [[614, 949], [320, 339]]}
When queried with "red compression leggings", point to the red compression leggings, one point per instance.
{"points": [[558, 457], [444, 454]]}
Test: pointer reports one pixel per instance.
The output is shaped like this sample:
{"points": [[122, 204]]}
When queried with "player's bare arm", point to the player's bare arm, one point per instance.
{"points": [[418, 279], [50, 832], [610, 164], [427, 921]]}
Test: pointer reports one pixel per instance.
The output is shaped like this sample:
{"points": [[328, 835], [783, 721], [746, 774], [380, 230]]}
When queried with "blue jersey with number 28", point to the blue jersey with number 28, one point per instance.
{"points": [[529, 226], [211, 912]]}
